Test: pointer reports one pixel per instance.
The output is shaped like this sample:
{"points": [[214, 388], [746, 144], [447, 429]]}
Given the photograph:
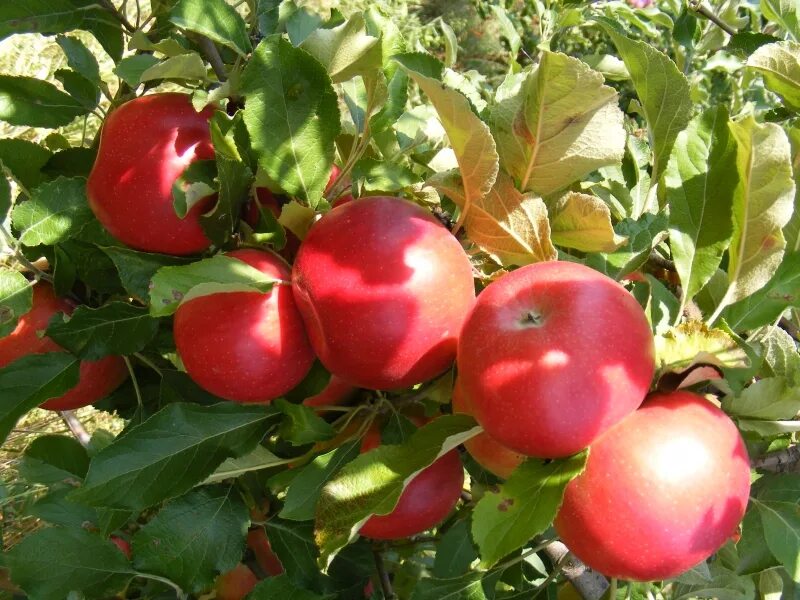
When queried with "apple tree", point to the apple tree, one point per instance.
{"points": [[384, 319]]}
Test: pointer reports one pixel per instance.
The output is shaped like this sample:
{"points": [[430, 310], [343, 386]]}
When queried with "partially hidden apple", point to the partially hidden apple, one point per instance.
{"points": [[662, 490], [245, 346], [336, 392], [383, 289], [258, 542], [424, 503], [97, 378], [236, 583], [552, 355], [487, 452], [123, 545], [145, 145]]}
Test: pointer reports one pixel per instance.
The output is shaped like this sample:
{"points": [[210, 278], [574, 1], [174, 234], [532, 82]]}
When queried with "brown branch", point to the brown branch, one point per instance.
{"points": [[782, 461], [383, 575], [656, 260], [212, 54], [590, 584], [76, 427]]}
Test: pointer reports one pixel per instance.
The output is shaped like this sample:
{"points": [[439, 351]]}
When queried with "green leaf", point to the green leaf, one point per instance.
{"points": [[172, 451], [114, 328], [258, 459], [28, 382], [583, 222], [214, 19], [281, 587], [25, 160], [454, 552], [723, 585], [643, 235], [507, 29], [292, 116], [136, 269], [16, 298], [694, 342], [781, 358], [783, 487], [768, 303], [194, 537], [762, 206], [80, 88], [467, 587], [779, 66], [700, 183], [781, 521], [194, 184], [301, 424], [131, 68], [36, 103], [469, 137], [556, 123], [768, 399], [294, 545], [57, 211], [373, 482], [754, 554], [184, 66], [372, 175], [784, 13], [57, 510], [172, 285], [304, 491], [662, 90], [75, 560], [52, 459], [524, 506], [79, 58], [510, 226], [347, 50]]}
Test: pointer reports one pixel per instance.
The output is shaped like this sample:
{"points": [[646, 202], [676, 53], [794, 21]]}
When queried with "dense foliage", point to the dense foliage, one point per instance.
{"points": [[656, 143]]}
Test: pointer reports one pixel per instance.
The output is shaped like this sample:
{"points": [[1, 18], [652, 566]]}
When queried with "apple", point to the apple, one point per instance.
{"points": [[236, 583], [383, 289], [336, 392], [488, 453], [145, 145], [245, 346], [258, 542], [662, 490], [424, 503], [123, 545], [552, 355], [97, 378]]}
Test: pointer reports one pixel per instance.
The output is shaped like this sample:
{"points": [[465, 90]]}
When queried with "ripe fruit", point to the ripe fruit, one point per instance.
{"points": [[424, 503], [552, 355], [97, 379], [383, 289], [245, 346], [662, 490], [145, 145], [236, 583], [491, 455], [258, 542]]}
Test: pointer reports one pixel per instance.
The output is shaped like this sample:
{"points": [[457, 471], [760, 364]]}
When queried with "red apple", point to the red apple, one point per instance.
{"points": [[336, 392], [145, 145], [236, 583], [97, 378], [383, 289], [553, 355], [662, 490], [424, 503], [245, 346], [339, 200], [491, 455], [258, 542], [123, 545]]}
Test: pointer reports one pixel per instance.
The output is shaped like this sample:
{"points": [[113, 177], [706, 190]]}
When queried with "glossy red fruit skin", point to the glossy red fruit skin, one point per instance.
{"points": [[383, 289], [662, 490], [336, 392], [424, 503], [97, 379], [258, 542], [236, 583], [145, 145], [245, 346], [552, 355], [487, 452]]}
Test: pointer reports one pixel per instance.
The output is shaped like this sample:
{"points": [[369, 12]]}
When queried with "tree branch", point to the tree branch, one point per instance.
{"points": [[117, 15], [698, 7], [212, 54], [590, 584], [782, 461], [76, 427], [383, 575]]}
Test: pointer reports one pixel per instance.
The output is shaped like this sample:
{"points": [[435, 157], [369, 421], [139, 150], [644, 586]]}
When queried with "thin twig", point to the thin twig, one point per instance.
{"points": [[782, 461], [590, 584], [117, 15], [212, 54], [383, 575], [76, 427], [21, 258], [659, 261], [705, 12]]}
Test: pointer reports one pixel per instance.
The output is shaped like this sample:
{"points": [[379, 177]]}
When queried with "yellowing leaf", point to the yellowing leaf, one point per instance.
{"points": [[557, 125], [509, 226], [694, 342], [583, 222], [779, 64]]}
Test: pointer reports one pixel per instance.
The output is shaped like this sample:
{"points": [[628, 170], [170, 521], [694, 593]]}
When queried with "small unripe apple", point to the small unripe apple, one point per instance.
{"points": [[383, 289], [245, 346], [145, 145], [662, 490], [552, 355], [424, 503], [236, 583], [487, 452], [96, 378]]}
